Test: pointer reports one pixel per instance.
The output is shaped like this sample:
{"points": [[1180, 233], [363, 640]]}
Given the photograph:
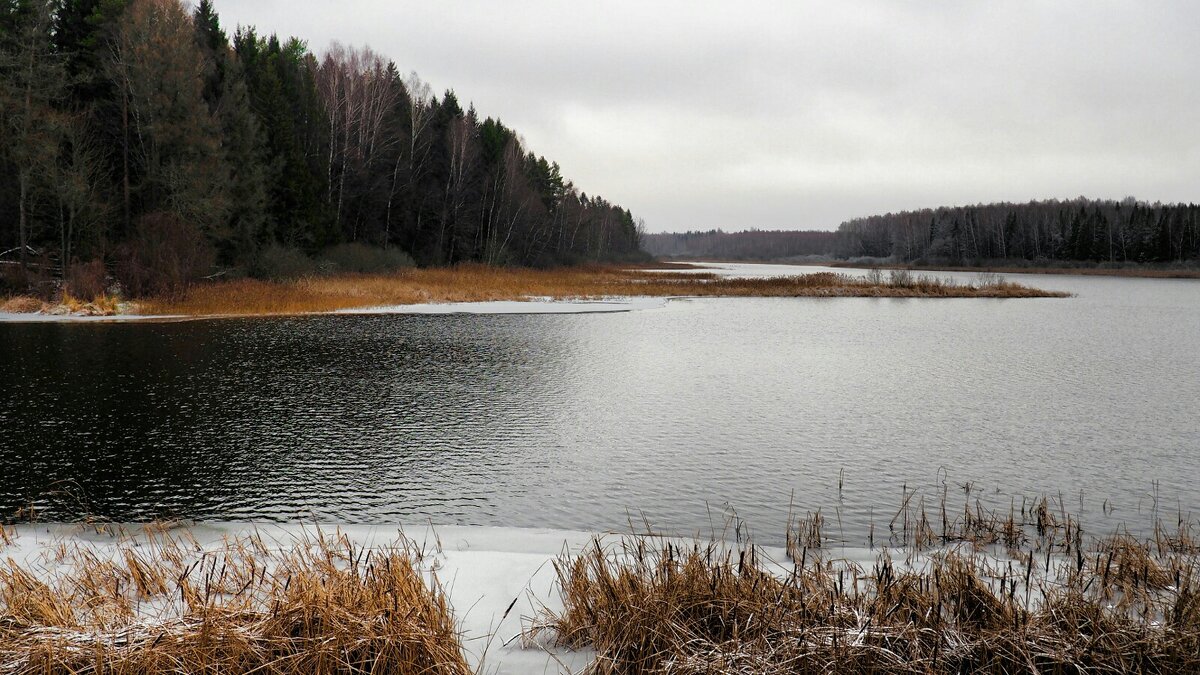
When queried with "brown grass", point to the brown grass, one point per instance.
{"points": [[100, 305], [474, 283], [164, 606], [1111, 605], [21, 304]]}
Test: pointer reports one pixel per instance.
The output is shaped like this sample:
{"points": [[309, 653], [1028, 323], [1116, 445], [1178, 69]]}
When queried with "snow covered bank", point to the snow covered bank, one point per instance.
{"points": [[38, 317], [495, 578]]}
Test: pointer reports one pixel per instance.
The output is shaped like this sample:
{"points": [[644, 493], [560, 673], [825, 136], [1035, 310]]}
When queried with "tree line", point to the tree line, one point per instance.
{"points": [[139, 138], [1083, 230], [745, 245]]}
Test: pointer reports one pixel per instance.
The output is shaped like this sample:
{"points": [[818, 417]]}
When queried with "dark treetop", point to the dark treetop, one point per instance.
{"points": [[140, 139]]}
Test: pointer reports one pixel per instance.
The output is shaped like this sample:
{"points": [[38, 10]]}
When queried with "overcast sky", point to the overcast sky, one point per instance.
{"points": [[802, 114]]}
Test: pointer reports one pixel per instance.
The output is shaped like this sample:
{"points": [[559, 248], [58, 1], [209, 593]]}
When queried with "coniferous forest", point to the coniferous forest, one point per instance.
{"points": [[143, 141], [745, 245], [1077, 230]]}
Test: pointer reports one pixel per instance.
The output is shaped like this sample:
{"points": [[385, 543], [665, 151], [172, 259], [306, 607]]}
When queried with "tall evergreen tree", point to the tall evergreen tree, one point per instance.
{"points": [[228, 100], [159, 69], [133, 131], [32, 82]]}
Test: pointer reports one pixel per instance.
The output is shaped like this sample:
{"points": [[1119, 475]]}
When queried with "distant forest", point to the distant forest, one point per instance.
{"points": [[747, 245], [139, 138], [1078, 230]]}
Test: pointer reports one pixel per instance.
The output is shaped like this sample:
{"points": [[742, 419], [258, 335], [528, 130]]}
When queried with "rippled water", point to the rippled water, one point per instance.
{"points": [[674, 415]]}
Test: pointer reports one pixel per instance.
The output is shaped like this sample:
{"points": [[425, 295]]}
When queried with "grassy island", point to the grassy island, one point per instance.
{"points": [[481, 283], [477, 283]]}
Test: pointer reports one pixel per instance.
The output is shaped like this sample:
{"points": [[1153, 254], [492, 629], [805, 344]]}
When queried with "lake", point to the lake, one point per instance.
{"points": [[677, 416]]}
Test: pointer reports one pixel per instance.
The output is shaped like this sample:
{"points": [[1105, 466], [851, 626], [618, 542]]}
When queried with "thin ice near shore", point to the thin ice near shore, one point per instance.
{"points": [[494, 578], [499, 581], [505, 586]]}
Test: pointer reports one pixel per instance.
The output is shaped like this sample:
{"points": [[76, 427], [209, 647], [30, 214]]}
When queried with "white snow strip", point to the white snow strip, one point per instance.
{"points": [[531, 306], [484, 570], [38, 317], [497, 578]]}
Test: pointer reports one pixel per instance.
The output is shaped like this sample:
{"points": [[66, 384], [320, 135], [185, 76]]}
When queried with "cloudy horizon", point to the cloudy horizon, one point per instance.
{"points": [[800, 116]]}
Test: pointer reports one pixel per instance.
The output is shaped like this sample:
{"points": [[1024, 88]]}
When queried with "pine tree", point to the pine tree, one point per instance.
{"points": [[226, 94], [158, 68], [32, 81]]}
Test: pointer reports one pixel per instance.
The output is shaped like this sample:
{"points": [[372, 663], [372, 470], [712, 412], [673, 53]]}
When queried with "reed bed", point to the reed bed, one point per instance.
{"points": [[21, 304], [104, 304], [164, 604], [1021, 591], [477, 283]]}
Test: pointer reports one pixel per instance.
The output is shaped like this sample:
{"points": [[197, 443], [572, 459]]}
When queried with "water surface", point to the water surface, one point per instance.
{"points": [[675, 415]]}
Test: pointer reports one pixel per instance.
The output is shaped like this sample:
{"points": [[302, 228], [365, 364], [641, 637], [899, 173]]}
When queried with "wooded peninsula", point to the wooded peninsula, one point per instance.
{"points": [[145, 149], [140, 142]]}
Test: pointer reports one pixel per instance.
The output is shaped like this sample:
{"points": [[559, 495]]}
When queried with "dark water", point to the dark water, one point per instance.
{"points": [[587, 421]]}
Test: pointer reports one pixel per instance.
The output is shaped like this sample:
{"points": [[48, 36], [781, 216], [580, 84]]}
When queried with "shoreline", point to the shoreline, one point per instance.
{"points": [[522, 600], [1128, 272], [485, 290], [493, 577], [521, 307]]}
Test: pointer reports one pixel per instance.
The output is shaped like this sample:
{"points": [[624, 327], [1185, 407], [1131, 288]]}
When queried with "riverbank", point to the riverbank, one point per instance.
{"points": [[285, 598], [977, 590], [480, 284], [1134, 271]]}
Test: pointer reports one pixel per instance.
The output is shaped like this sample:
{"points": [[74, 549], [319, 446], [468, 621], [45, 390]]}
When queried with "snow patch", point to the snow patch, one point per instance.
{"points": [[484, 570], [38, 317], [531, 306]]}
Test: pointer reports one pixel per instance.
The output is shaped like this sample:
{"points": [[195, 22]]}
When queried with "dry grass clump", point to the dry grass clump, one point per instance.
{"points": [[477, 283], [103, 304], [100, 305], [167, 605], [804, 532], [21, 304], [650, 605]]}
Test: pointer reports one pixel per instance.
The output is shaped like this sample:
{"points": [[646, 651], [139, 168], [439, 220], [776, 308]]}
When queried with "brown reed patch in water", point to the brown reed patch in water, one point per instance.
{"points": [[1061, 604], [478, 283], [166, 606]]}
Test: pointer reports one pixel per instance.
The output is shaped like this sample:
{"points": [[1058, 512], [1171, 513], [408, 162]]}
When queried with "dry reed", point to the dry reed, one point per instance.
{"points": [[1113, 604], [166, 605], [100, 305], [475, 283], [21, 304]]}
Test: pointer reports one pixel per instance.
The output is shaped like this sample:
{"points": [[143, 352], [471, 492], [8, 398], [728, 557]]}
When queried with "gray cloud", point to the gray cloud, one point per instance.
{"points": [[802, 114]]}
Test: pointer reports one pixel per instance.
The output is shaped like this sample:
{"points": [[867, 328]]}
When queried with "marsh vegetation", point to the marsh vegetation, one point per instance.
{"points": [[474, 283], [1022, 591], [944, 589], [159, 602]]}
